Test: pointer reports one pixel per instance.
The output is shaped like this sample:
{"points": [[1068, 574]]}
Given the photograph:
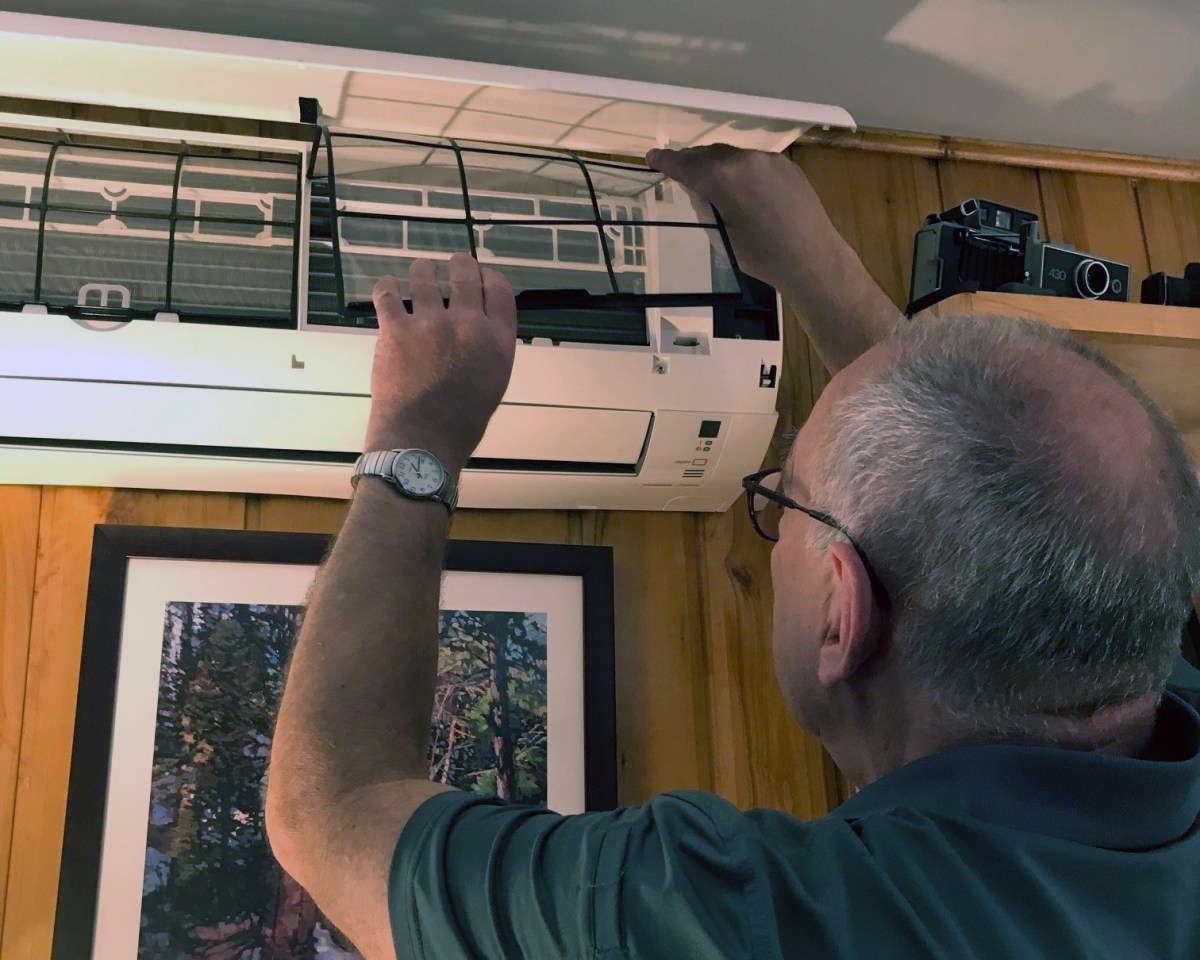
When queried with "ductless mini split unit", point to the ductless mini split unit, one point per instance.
{"points": [[186, 311]]}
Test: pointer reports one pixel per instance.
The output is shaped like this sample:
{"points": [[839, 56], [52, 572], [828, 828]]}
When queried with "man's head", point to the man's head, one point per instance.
{"points": [[1033, 516]]}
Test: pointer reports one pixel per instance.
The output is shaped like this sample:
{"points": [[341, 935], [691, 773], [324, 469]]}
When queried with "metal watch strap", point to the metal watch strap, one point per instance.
{"points": [[379, 463]]}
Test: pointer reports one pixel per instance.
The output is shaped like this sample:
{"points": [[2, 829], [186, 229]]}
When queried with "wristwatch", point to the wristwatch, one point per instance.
{"points": [[415, 473]]}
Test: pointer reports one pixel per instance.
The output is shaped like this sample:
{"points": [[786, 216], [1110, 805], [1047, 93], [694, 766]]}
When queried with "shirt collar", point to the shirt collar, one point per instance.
{"points": [[1120, 803]]}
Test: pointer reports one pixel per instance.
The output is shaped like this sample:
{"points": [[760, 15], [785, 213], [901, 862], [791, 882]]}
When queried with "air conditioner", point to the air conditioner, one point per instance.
{"points": [[193, 311]]}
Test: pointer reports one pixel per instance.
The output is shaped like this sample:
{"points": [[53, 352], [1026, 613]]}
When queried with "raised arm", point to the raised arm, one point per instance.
{"points": [[348, 764], [782, 235]]}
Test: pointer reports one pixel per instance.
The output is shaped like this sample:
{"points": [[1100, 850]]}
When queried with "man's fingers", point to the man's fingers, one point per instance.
{"points": [[388, 301], [499, 302], [466, 286], [692, 165], [423, 286], [654, 156], [668, 162], [698, 170]]}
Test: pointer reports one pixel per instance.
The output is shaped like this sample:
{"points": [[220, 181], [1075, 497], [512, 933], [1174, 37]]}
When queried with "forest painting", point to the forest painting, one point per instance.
{"points": [[489, 712], [211, 888]]}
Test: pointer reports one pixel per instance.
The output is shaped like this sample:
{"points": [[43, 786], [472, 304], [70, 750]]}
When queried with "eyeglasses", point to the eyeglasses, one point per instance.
{"points": [[766, 502]]}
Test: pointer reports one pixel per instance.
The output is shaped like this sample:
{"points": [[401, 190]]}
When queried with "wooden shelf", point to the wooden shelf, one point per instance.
{"points": [[1158, 346]]}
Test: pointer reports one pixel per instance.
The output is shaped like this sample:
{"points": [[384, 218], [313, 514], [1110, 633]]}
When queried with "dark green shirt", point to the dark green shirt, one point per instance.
{"points": [[998, 851]]}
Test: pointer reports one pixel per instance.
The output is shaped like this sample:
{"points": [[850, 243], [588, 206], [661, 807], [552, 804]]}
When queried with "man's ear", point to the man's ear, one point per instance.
{"points": [[856, 621]]}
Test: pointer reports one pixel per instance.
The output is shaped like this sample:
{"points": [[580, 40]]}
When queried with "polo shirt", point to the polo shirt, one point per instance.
{"points": [[985, 851]]}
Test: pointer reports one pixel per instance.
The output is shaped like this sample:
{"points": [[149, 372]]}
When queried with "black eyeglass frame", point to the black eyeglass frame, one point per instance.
{"points": [[754, 486]]}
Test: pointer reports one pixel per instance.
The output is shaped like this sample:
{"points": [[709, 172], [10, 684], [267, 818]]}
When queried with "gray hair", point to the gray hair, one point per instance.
{"points": [[1018, 587]]}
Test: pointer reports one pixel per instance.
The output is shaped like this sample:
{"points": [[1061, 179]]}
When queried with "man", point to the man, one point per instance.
{"points": [[987, 544]]}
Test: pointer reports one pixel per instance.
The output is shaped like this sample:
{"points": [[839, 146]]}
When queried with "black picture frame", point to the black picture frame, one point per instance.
{"points": [[114, 546]]}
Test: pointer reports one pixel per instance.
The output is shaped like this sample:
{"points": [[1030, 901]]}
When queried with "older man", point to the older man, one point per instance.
{"points": [[988, 539]]}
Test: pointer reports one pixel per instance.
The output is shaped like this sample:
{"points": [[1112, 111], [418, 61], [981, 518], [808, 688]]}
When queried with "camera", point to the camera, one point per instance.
{"points": [[1173, 291], [1067, 272], [984, 245]]}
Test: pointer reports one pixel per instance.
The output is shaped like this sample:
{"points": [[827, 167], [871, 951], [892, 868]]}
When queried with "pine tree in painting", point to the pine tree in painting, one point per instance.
{"points": [[489, 715], [211, 886]]}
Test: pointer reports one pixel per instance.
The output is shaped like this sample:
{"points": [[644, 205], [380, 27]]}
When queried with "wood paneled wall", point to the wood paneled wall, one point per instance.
{"points": [[697, 701]]}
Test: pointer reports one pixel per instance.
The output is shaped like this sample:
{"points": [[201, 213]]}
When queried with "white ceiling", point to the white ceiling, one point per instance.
{"points": [[1116, 75]]}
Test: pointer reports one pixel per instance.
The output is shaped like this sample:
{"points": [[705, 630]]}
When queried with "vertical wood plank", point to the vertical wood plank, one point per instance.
{"points": [[732, 594], [787, 767], [1170, 219], [170, 508], [56, 636], [662, 688], [761, 757], [295, 514], [1098, 214], [877, 202], [801, 381], [534, 526], [20, 508]]}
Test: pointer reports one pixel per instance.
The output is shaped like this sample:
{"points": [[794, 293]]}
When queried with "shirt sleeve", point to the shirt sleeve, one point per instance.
{"points": [[476, 878]]}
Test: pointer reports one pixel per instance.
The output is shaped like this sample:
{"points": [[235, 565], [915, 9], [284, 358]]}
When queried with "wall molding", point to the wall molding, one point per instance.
{"points": [[1009, 154]]}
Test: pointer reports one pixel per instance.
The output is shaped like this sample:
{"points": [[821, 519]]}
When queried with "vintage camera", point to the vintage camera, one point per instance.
{"points": [[1173, 291], [1067, 272], [985, 245], [974, 246]]}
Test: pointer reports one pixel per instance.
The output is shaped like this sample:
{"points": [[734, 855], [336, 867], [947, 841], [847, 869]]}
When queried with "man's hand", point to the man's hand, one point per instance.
{"points": [[440, 372], [781, 234], [766, 201]]}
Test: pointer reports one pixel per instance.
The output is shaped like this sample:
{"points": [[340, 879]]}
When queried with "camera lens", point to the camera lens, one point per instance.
{"points": [[1091, 279]]}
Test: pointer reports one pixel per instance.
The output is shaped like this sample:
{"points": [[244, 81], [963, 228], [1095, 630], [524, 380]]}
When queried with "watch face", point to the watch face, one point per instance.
{"points": [[418, 473]]}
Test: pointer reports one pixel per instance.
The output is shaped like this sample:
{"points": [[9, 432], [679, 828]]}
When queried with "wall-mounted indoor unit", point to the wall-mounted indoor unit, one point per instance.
{"points": [[193, 311]]}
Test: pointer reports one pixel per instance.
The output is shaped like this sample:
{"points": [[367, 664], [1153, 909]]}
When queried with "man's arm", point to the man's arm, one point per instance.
{"points": [[782, 235], [348, 765]]}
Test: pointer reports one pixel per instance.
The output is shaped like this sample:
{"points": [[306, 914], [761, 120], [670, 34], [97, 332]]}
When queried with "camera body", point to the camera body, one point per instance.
{"points": [[985, 245], [1071, 273], [1173, 291]]}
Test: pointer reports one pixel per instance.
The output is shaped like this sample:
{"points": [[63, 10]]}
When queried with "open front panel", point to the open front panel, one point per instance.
{"points": [[129, 229], [579, 239], [125, 231]]}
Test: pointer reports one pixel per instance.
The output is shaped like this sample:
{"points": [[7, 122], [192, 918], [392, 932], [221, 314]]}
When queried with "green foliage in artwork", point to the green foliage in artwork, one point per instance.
{"points": [[211, 886], [210, 876], [489, 717]]}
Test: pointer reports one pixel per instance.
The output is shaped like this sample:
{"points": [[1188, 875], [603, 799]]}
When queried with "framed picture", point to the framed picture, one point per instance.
{"points": [[186, 641]]}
